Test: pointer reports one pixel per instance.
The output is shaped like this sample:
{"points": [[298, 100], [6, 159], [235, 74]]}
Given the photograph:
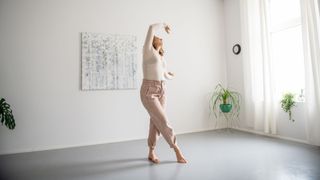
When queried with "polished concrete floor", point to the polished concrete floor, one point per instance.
{"points": [[221, 154]]}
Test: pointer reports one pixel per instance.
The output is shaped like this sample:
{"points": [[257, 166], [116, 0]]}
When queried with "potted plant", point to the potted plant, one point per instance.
{"points": [[287, 102], [225, 101], [6, 115]]}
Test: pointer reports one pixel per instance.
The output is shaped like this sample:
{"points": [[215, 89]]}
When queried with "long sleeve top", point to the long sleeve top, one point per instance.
{"points": [[154, 65]]}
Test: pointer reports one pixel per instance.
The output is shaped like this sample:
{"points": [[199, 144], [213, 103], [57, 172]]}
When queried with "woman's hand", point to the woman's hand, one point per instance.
{"points": [[168, 75], [167, 28], [171, 74]]}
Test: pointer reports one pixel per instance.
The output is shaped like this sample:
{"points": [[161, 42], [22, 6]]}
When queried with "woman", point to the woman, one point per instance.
{"points": [[153, 93]]}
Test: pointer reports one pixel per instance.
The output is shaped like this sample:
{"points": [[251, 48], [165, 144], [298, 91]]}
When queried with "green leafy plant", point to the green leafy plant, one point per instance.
{"points": [[6, 115], [287, 102], [224, 100]]}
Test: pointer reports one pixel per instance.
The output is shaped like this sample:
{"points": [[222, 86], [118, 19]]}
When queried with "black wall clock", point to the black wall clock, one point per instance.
{"points": [[236, 49]]}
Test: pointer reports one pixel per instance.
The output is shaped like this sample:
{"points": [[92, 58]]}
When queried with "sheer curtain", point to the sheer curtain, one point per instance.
{"points": [[311, 38], [261, 101], [261, 106]]}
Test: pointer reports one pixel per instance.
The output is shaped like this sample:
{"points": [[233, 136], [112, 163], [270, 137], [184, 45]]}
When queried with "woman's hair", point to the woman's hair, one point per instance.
{"points": [[161, 51]]}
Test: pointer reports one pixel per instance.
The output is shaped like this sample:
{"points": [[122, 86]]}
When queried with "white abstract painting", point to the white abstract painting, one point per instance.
{"points": [[108, 61]]}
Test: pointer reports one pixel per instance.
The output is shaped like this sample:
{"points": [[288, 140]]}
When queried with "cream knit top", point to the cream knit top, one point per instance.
{"points": [[154, 65]]}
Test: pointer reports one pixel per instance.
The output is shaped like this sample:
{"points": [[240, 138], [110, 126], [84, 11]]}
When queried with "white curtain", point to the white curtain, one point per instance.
{"points": [[311, 38], [261, 106]]}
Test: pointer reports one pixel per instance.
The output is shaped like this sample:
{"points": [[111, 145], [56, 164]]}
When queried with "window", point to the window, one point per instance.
{"points": [[286, 46]]}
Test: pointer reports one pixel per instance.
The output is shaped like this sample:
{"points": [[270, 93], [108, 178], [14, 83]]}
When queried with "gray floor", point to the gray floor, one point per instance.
{"points": [[220, 154]]}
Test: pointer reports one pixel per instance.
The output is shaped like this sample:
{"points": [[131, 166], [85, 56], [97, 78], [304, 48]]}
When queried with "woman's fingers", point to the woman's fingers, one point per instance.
{"points": [[171, 73]]}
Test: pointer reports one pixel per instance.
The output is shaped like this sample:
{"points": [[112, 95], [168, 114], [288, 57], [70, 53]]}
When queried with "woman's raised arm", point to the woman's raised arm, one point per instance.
{"points": [[151, 32]]}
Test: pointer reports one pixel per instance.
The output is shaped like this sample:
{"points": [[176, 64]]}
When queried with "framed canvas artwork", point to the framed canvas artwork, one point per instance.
{"points": [[108, 61]]}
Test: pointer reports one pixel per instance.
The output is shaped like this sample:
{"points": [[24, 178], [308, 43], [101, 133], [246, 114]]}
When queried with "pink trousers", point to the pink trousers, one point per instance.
{"points": [[153, 97]]}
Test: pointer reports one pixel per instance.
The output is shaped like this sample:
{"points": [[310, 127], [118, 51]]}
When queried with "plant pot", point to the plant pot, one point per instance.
{"points": [[225, 107]]}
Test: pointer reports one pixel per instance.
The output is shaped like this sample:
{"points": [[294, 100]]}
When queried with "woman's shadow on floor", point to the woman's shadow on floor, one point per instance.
{"points": [[81, 169]]}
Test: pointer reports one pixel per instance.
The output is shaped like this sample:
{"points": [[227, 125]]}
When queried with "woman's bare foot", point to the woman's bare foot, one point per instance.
{"points": [[180, 157], [152, 157]]}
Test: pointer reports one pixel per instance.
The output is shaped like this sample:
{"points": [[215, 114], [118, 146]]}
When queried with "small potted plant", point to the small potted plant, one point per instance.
{"points": [[6, 115], [287, 102], [225, 100]]}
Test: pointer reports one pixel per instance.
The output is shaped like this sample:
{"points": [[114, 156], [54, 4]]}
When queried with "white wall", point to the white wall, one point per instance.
{"points": [[285, 128], [40, 69]]}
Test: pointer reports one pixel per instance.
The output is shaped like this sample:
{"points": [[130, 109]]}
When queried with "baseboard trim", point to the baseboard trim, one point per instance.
{"points": [[273, 135], [179, 133]]}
